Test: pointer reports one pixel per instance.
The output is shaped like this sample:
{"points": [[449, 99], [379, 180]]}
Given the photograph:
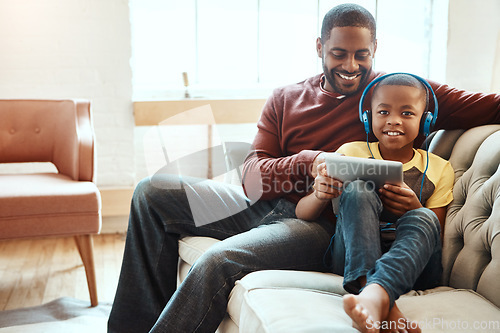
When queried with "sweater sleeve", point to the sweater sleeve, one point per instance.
{"points": [[268, 172], [443, 192], [460, 109]]}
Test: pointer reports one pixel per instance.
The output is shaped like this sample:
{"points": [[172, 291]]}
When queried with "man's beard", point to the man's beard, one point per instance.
{"points": [[330, 77]]}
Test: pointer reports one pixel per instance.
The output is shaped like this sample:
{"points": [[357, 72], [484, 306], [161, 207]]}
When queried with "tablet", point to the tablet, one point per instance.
{"points": [[379, 172], [376, 172]]}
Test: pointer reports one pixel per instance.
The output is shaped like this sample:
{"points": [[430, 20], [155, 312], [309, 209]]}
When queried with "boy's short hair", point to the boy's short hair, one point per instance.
{"points": [[347, 15], [404, 80]]}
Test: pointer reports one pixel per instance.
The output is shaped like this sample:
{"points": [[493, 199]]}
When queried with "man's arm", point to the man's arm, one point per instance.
{"points": [[268, 173], [460, 109]]}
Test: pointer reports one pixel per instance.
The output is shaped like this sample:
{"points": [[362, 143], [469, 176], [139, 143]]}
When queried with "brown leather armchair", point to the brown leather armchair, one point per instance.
{"points": [[50, 204]]}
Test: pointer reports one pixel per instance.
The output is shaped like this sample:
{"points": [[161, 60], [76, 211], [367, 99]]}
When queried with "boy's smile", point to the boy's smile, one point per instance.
{"points": [[396, 114]]}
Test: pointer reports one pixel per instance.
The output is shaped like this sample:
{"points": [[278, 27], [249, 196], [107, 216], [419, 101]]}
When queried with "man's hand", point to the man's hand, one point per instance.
{"points": [[399, 199], [325, 187], [317, 161]]}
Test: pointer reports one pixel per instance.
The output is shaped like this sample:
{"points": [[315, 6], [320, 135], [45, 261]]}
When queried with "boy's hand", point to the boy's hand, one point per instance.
{"points": [[325, 187], [399, 199]]}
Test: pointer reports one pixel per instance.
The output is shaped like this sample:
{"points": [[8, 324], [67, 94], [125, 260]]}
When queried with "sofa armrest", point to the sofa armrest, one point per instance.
{"points": [[441, 142]]}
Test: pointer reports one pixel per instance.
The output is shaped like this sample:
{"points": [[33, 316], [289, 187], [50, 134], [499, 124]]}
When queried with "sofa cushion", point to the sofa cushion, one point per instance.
{"points": [[278, 280], [452, 310], [190, 249], [48, 204], [291, 310], [289, 301]]}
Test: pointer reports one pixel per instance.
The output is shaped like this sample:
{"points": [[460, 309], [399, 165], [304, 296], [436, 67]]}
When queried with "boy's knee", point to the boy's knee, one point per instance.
{"points": [[426, 218]]}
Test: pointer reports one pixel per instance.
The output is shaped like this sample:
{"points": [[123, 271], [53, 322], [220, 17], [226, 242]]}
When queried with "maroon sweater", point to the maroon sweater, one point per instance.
{"points": [[301, 120]]}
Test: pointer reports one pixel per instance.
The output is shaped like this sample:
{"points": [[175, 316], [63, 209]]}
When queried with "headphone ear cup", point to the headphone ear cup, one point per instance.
{"points": [[425, 123], [367, 121]]}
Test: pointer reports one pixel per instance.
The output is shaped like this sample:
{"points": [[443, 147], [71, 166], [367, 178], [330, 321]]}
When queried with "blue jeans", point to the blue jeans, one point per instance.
{"points": [[265, 235], [413, 260]]}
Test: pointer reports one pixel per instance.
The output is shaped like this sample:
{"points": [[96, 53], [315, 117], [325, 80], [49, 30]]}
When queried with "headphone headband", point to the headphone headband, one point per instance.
{"points": [[432, 121]]}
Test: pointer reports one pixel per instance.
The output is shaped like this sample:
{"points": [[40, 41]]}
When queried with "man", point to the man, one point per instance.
{"points": [[297, 124]]}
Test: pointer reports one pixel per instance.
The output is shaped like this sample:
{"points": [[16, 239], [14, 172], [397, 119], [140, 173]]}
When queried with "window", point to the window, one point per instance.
{"points": [[245, 48]]}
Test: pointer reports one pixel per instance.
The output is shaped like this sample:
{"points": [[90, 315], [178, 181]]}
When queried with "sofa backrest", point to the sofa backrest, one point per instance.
{"points": [[471, 248], [57, 131]]}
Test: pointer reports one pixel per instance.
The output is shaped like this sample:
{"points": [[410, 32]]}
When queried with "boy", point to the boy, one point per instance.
{"points": [[380, 261]]}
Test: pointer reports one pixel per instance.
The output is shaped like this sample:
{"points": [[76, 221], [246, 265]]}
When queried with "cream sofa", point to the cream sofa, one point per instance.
{"points": [[468, 301]]}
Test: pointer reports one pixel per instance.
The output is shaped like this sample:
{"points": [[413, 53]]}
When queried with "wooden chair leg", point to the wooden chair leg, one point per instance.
{"points": [[85, 246]]}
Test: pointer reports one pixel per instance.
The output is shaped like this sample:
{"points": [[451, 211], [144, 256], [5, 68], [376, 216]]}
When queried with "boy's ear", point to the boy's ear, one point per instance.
{"points": [[319, 47]]}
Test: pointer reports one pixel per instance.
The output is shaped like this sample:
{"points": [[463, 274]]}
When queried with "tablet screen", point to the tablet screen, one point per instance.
{"points": [[380, 172], [376, 172]]}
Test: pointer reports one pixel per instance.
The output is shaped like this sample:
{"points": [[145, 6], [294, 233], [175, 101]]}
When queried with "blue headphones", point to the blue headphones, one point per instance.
{"points": [[428, 118]]}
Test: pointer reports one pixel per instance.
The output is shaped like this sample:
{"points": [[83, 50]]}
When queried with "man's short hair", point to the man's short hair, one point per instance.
{"points": [[347, 15]]}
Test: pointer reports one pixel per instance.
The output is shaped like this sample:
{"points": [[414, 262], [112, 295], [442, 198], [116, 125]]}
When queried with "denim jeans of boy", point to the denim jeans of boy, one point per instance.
{"points": [[412, 261], [265, 235]]}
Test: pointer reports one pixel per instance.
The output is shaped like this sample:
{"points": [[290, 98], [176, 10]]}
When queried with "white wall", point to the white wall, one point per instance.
{"points": [[473, 34], [75, 49]]}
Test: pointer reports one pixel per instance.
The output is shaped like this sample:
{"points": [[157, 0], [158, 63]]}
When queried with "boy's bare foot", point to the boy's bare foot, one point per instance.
{"points": [[397, 322], [368, 308]]}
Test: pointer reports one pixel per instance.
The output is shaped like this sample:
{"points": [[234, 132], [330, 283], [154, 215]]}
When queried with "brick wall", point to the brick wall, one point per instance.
{"points": [[75, 49]]}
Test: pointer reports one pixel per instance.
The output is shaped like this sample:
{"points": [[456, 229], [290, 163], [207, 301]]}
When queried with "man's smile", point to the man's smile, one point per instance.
{"points": [[348, 77]]}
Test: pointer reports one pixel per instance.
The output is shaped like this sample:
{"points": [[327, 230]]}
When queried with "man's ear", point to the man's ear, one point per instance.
{"points": [[319, 47], [374, 48]]}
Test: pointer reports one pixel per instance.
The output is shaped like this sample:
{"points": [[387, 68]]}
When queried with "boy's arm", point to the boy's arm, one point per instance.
{"points": [[310, 207], [441, 215], [325, 188]]}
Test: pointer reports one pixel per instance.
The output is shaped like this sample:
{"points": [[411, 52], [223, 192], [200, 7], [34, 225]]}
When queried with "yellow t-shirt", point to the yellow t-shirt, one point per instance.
{"points": [[439, 178]]}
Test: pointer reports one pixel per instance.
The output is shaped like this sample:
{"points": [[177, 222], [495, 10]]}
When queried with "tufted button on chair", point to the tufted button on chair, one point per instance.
{"points": [[50, 204]]}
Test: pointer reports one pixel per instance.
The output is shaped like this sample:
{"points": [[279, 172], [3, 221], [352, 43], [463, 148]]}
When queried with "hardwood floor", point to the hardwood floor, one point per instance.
{"points": [[37, 271]]}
